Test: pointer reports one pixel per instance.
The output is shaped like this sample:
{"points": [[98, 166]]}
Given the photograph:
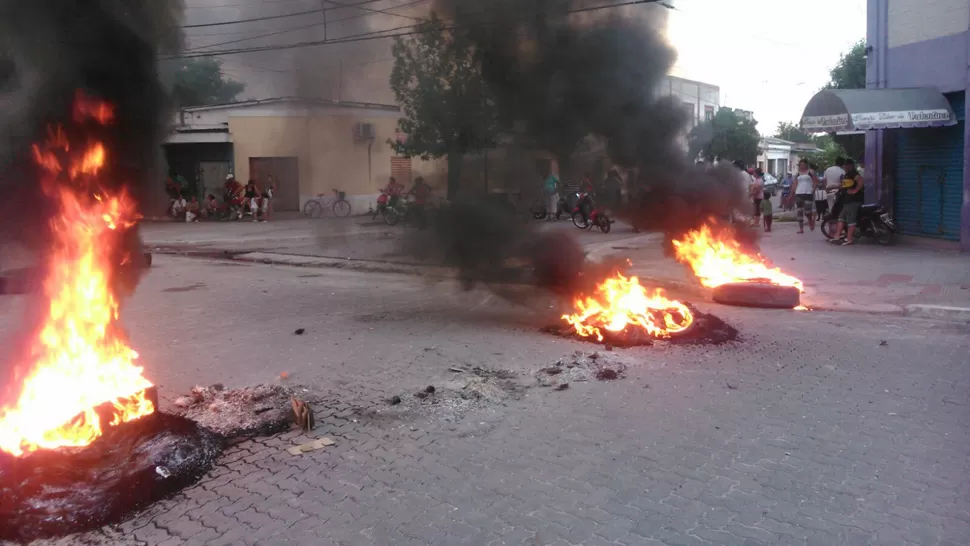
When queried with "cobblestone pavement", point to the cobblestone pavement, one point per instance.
{"points": [[816, 428]]}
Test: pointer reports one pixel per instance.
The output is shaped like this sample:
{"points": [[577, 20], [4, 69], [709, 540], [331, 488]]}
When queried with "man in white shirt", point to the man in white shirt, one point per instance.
{"points": [[833, 179]]}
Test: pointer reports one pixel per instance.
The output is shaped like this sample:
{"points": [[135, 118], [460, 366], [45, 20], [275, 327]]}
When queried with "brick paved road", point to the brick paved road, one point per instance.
{"points": [[808, 432]]}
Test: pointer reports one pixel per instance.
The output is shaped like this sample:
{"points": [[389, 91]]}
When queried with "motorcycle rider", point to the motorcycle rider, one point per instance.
{"points": [[587, 191], [394, 190], [852, 197]]}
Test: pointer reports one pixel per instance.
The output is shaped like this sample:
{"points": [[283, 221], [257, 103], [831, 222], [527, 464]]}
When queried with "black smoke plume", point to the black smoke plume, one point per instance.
{"points": [[559, 72], [50, 50]]}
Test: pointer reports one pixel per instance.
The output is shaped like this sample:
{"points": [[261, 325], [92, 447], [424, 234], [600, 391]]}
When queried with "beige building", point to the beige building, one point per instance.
{"points": [[309, 147]]}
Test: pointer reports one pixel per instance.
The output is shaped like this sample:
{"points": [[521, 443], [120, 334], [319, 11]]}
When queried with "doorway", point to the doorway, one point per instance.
{"points": [[285, 172], [211, 177]]}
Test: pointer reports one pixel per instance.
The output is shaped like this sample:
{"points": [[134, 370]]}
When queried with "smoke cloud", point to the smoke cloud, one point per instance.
{"points": [[50, 51], [560, 72]]}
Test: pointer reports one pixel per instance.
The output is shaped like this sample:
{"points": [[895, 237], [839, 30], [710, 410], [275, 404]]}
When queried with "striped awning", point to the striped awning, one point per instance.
{"points": [[840, 110]]}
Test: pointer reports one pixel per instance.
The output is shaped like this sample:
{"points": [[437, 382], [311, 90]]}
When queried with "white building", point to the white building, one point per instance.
{"points": [[701, 100]]}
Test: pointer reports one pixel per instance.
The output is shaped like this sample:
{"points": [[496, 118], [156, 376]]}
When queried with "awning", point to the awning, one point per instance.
{"points": [[838, 110]]}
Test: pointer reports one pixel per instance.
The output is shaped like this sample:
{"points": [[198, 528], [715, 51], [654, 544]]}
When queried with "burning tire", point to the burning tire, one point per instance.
{"points": [[755, 294]]}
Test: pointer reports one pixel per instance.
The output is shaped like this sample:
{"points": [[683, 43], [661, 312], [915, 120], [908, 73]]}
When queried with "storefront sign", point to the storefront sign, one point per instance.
{"points": [[823, 123], [903, 117]]}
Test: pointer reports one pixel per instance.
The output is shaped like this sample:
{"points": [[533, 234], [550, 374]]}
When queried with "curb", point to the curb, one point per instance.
{"points": [[312, 261], [938, 312]]}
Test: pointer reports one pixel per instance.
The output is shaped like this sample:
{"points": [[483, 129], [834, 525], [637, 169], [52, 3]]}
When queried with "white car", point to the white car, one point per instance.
{"points": [[771, 184]]}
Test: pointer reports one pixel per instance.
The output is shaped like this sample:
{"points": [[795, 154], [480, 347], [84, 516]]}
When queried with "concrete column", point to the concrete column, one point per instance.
{"points": [[965, 210]]}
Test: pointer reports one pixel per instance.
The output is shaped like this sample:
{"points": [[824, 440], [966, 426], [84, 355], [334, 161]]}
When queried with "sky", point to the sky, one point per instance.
{"points": [[767, 56]]}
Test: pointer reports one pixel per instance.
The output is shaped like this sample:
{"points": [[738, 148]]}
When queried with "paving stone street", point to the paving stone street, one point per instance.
{"points": [[817, 428]]}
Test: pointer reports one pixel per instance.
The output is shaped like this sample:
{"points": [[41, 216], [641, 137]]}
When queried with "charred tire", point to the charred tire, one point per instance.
{"points": [[755, 294]]}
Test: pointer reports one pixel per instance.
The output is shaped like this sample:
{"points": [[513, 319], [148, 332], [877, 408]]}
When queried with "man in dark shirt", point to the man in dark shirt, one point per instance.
{"points": [[852, 199]]}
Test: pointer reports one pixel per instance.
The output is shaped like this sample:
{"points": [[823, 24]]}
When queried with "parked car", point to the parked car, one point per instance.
{"points": [[771, 184]]}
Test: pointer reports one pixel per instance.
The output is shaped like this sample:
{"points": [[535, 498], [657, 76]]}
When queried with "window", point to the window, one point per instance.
{"points": [[689, 108], [708, 113]]}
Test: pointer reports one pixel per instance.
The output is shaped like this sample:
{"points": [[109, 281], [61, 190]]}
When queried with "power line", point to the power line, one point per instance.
{"points": [[271, 17], [384, 11], [304, 27], [374, 35]]}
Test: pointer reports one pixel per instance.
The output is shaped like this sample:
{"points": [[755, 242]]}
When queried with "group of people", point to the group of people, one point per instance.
{"points": [[610, 192], [248, 199], [810, 196], [237, 200], [420, 193]]}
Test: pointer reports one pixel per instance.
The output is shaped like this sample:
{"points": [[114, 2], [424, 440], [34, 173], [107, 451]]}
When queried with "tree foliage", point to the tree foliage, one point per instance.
{"points": [[727, 136], [850, 72], [199, 81], [792, 133], [447, 112]]}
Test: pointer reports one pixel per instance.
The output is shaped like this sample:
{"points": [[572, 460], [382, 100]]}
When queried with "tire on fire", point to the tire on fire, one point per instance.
{"points": [[757, 294]]}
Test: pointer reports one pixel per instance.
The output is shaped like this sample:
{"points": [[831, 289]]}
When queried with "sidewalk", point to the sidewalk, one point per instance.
{"points": [[865, 277]]}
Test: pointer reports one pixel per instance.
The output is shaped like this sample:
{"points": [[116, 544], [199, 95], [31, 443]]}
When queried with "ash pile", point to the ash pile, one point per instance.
{"points": [[581, 367], [474, 389], [230, 413]]}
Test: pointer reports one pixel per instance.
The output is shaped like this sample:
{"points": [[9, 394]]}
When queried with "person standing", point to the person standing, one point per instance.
{"points": [[833, 180], [821, 203], [804, 195], [421, 192], [767, 212], [551, 190], [756, 191], [852, 199]]}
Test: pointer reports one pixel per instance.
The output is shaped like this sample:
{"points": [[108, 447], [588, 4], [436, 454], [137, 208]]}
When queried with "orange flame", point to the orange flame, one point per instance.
{"points": [[79, 359], [719, 259], [621, 302]]}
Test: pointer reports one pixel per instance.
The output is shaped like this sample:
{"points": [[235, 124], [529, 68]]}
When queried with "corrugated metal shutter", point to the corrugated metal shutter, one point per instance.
{"points": [[929, 178]]}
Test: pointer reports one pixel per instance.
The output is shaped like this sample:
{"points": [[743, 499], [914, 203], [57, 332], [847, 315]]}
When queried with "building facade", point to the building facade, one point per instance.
{"points": [[923, 173], [308, 146], [700, 100]]}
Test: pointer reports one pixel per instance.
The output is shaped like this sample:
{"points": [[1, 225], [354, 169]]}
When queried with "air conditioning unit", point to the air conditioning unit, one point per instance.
{"points": [[364, 131]]}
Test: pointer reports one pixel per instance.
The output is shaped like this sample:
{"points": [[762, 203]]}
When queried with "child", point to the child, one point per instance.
{"points": [[821, 203], [766, 211]]}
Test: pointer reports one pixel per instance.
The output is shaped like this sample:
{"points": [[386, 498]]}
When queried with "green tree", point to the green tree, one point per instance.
{"points": [[850, 72], [792, 133], [444, 100], [199, 81], [727, 136]]}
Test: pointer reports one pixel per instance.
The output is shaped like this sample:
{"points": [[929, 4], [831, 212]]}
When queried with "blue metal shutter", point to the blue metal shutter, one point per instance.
{"points": [[929, 178]]}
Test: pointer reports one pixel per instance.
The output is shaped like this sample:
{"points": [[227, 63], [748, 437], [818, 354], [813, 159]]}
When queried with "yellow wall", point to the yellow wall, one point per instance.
{"points": [[329, 155]]}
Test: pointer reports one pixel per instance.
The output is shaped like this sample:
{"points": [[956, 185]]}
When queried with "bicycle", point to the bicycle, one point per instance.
{"points": [[338, 204]]}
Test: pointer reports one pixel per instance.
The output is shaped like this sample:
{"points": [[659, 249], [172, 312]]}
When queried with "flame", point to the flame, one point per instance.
{"points": [[79, 359], [621, 302], [718, 259]]}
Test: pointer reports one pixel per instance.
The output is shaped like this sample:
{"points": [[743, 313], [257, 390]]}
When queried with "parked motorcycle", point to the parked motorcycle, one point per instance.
{"points": [[874, 221]]}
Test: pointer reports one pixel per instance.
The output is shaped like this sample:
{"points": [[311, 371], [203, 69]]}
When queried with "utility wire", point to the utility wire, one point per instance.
{"points": [[385, 11], [380, 35], [303, 27], [271, 17]]}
